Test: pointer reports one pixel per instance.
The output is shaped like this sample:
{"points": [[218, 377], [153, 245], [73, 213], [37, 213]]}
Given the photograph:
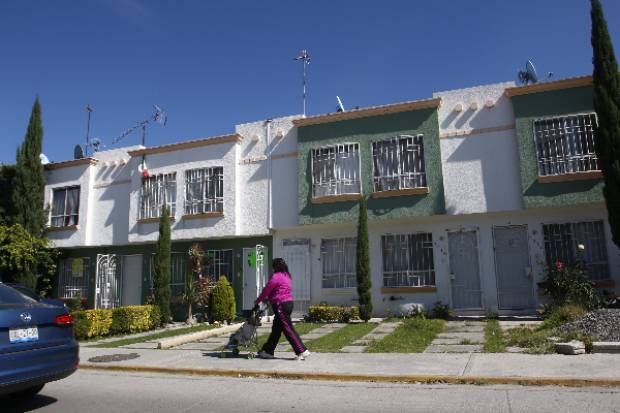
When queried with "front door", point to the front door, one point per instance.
{"points": [[296, 253], [132, 280], [108, 282], [512, 268], [465, 270], [254, 274]]}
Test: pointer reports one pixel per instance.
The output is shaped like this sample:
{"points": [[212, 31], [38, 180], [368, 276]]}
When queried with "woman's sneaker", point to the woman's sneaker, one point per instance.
{"points": [[264, 355], [303, 355]]}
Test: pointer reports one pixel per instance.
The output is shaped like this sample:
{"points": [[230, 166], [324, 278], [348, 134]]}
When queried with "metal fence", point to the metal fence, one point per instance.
{"points": [[73, 274], [398, 163]]}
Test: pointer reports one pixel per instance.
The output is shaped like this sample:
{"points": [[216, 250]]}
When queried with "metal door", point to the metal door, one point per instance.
{"points": [[108, 282], [465, 270], [132, 280], [254, 274], [296, 253], [512, 268]]}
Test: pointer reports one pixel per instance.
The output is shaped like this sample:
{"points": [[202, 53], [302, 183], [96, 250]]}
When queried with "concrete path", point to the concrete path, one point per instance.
{"points": [[459, 337], [377, 334]]}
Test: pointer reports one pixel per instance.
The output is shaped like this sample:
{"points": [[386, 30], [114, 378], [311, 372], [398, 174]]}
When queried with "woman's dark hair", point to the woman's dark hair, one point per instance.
{"points": [[279, 265]]}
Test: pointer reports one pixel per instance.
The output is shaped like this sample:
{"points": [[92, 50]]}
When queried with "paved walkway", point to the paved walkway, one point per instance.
{"points": [[379, 333], [459, 337]]}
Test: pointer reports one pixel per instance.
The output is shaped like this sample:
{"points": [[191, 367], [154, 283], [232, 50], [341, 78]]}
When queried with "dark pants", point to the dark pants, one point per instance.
{"points": [[282, 324]]}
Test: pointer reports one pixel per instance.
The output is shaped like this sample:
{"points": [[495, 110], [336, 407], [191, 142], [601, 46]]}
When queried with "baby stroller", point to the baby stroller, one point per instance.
{"points": [[246, 335]]}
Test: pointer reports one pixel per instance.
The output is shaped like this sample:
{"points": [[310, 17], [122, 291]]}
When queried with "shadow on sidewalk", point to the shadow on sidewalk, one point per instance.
{"points": [[246, 356]]}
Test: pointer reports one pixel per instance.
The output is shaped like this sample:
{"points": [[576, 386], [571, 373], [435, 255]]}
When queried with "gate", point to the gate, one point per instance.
{"points": [[108, 281], [296, 253]]}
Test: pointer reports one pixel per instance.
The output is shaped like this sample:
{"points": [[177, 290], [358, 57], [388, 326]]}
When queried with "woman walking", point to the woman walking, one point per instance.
{"points": [[279, 294]]}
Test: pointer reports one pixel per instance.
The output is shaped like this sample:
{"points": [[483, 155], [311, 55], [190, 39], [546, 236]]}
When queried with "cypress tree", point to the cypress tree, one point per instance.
{"points": [[7, 209], [607, 106], [161, 281], [29, 181], [364, 284]]}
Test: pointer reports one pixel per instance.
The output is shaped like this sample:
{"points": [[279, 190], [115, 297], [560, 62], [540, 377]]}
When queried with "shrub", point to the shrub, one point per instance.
{"points": [[92, 323], [223, 304], [122, 320], [442, 311], [561, 315], [566, 284], [132, 319], [327, 313]]}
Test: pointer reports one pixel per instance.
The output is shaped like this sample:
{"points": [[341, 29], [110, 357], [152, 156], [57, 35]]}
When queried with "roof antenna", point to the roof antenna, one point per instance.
{"points": [[340, 107], [305, 58], [158, 116]]}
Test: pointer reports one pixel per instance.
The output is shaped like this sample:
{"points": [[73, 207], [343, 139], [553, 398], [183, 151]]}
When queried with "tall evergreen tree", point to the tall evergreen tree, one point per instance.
{"points": [[607, 106], [29, 181], [7, 209], [364, 284], [161, 281]]}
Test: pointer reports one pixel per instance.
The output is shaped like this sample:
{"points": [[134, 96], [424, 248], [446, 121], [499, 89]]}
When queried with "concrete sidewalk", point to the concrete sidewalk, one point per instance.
{"points": [[585, 370]]}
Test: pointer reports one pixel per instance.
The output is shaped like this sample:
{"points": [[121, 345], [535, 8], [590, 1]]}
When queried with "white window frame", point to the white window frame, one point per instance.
{"points": [[152, 206], [338, 184], [211, 178], [411, 164], [565, 250], [66, 215], [415, 277], [68, 285], [345, 279], [570, 156]]}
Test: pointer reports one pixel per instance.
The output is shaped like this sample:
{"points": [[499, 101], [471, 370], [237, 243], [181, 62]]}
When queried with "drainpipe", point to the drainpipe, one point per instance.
{"points": [[269, 196]]}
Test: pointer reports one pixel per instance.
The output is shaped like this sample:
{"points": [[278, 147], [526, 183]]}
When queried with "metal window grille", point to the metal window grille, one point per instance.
{"points": [[336, 170], [339, 262], [562, 241], [566, 144], [204, 190], [219, 263], [73, 274], [398, 163], [178, 273], [155, 192], [408, 260], [65, 206]]}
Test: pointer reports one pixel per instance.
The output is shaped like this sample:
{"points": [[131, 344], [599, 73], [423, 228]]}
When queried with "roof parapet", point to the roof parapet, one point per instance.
{"points": [[196, 143]]}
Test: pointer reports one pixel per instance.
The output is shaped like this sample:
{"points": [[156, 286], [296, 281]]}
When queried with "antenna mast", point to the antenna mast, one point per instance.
{"points": [[89, 110], [304, 56]]}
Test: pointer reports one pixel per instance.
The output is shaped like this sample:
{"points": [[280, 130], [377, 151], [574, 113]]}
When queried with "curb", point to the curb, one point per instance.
{"points": [[409, 379], [199, 335]]}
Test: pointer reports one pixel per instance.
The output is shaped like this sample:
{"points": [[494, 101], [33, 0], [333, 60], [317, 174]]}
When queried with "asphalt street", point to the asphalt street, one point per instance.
{"points": [[93, 392]]}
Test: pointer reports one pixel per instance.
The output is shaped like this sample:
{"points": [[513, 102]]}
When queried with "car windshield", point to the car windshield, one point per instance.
{"points": [[10, 297]]}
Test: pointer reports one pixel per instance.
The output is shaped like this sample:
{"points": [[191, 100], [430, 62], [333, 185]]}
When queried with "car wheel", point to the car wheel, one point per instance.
{"points": [[27, 393]]}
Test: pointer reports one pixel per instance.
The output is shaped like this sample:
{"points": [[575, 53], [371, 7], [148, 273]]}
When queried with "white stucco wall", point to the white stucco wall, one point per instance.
{"points": [[439, 227], [479, 154]]}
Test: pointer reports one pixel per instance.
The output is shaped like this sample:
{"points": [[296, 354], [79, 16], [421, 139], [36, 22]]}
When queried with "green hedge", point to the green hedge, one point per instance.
{"points": [[326, 313], [122, 320], [223, 305]]}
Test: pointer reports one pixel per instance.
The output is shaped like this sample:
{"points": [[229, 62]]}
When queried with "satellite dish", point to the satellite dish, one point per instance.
{"points": [[78, 152], [340, 107], [44, 159], [529, 75]]}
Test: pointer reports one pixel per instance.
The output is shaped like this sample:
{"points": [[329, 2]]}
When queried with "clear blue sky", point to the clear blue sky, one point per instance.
{"points": [[212, 64]]}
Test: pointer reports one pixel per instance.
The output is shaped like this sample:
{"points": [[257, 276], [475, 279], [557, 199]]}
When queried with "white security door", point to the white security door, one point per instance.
{"points": [[132, 280], [108, 282], [296, 253], [254, 274], [465, 270], [512, 268]]}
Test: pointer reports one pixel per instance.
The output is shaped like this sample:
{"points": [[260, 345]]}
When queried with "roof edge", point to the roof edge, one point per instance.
{"points": [[370, 111], [196, 143], [70, 163], [547, 86]]}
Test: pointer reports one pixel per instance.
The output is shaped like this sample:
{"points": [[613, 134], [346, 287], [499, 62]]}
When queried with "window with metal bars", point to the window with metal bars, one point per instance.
{"points": [[204, 190], [219, 263], [338, 257], [408, 260], [562, 244], [157, 191], [398, 163], [73, 277], [336, 170], [178, 273], [565, 144], [65, 207]]}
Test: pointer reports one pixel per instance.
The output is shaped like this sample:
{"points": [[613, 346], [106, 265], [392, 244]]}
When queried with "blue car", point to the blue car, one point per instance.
{"points": [[37, 344]]}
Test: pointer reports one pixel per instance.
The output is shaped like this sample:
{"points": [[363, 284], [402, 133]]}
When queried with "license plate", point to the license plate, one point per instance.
{"points": [[24, 335]]}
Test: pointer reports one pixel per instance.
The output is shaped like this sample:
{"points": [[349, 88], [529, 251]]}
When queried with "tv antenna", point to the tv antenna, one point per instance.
{"points": [[92, 144], [158, 116], [304, 57], [529, 75]]}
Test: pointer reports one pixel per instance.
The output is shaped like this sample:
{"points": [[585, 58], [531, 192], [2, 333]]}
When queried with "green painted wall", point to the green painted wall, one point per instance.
{"points": [[527, 109], [365, 131], [236, 244]]}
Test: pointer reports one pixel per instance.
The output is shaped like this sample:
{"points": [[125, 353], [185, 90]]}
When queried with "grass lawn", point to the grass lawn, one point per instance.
{"points": [[413, 336], [334, 341], [157, 336], [493, 338]]}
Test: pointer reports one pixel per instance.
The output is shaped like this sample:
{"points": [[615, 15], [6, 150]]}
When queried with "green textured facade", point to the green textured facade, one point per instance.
{"points": [[531, 107], [365, 131], [147, 250]]}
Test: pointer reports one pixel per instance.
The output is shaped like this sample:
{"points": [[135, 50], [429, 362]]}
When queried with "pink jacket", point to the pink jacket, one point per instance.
{"points": [[278, 289]]}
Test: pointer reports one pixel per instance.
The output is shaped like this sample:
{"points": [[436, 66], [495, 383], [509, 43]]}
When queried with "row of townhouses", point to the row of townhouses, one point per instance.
{"points": [[470, 194]]}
